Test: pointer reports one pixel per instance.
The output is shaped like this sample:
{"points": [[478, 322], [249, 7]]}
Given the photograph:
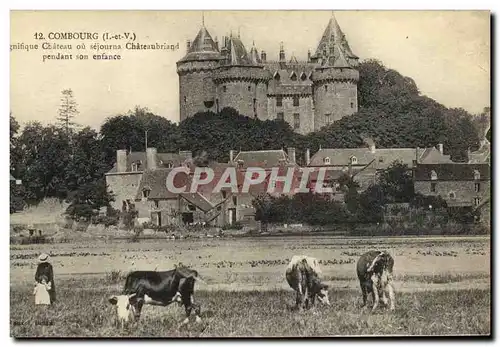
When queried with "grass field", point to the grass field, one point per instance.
{"points": [[442, 287]]}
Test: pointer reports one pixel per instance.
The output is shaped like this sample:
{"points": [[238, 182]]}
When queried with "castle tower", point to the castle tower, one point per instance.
{"points": [[335, 77], [241, 80], [195, 70]]}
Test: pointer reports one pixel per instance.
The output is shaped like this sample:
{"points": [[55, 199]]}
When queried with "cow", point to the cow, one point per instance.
{"points": [[374, 270], [302, 274], [160, 288]]}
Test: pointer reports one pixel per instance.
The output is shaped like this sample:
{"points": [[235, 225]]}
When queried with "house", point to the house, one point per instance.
{"points": [[364, 163], [459, 184]]}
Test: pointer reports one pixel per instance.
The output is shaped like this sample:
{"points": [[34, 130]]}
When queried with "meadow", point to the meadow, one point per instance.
{"points": [[442, 287]]}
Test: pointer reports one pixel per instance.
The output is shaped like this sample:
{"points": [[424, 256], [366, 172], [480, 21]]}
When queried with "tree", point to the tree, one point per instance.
{"points": [[396, 183], [263, 207], [67, 111]]}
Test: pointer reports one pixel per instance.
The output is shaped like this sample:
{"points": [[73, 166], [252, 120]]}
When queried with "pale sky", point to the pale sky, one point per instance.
{"points": [[447, 53]]}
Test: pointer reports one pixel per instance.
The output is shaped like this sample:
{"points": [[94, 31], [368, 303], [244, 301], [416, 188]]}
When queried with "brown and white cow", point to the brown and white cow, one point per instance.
{"points": [[374, 269], [302, 274]]}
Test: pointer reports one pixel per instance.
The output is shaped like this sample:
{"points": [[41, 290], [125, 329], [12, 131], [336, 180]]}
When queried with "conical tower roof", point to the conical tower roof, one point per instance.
{"points": [[203, 47], [237, 53], [254, 55], [333, 48]]}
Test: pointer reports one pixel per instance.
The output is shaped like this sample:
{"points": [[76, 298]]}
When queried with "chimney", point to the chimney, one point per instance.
{"points": [[282, 53], [151, 158], [121, 160], [186, 155], [416, 154], [263, 56], [188, 44], [291, 154], [372, 148], [231, 155], [440, 147], [308, 55], [216, 41], [308, 156]]}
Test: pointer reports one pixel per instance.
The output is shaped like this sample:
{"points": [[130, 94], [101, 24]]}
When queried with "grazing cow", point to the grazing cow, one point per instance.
{"points": [[159, 288], [302, 274], [374, 269]]}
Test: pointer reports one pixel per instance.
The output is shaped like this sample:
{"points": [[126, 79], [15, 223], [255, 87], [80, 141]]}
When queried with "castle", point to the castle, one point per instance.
{"points": [[308, 95]]}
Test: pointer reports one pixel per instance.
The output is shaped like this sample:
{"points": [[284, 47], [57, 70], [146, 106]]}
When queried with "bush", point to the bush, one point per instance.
{"points": [[234, 226]]}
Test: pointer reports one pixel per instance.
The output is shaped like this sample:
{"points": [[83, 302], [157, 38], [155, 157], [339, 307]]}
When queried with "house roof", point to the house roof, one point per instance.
{"points": [[198, 200], [263, 159], [202, 48], [452, 172], [237, 53], [381, 159], [162, 160], [156, 182]]}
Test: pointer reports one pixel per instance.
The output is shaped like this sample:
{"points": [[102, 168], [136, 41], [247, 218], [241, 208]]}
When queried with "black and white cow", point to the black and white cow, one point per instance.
{"points": [[302, 274], [374, 269], [159, 288]]}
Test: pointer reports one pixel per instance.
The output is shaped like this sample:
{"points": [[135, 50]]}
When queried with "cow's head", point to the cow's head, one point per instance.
{"points": [[379, 263], [126, 307], [321, 291]]}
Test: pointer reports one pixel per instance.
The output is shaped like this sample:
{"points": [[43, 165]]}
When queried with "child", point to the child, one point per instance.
{"points": [[41, 292]]}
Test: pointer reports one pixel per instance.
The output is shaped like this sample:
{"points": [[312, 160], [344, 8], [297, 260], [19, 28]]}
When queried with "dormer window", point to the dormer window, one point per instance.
{"points": [[277, 77], [326, 161], [136, 166], [303, 76], [170, 165], [434, 175], [477, 175], [145, 193], [293, 76], [354, 160], [452, 195]]}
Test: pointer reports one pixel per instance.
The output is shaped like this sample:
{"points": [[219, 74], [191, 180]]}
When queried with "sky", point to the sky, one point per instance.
{"points": [[447, 53]]}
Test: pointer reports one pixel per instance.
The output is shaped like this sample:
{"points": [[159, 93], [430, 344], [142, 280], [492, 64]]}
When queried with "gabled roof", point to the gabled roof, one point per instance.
{"points": [[156, 182], [162, 160], [202, 48], [198, 200], [452, 172], [433, 156], [263, 159]]}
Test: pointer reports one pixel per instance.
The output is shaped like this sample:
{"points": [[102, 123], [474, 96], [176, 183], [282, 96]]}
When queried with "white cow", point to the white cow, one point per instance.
{"points": [[302, 274]]}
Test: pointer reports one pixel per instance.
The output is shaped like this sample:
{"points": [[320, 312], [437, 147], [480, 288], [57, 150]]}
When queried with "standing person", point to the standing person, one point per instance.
{"points": [[41, 292], [45, 269]]}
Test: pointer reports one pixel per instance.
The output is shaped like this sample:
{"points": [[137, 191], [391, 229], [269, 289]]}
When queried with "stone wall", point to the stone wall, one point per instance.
{"points": [[123, 186], [339, 99], [464, 190], [305, 111]]}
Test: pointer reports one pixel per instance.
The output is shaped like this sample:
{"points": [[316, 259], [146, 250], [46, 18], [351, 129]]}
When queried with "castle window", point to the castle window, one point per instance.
{"points": [[279, 100], [224, 89], [434, 175], [280, 116], [157, 204], [326, 88], [296, 121], [326, 160], [295, 100], [255, 108], [224, 194], [477, 175], [136, 166], [146, 192], [328, 117], [354, 160], [477, 201], [293, 77], [191, 207], [185, 99], [433, 187], [477, 187], [217, 105], [249, 88], [235, 200], [352, 104]]}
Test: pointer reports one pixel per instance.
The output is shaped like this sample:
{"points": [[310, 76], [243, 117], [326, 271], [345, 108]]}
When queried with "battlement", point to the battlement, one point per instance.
{"points": [[335, 74], [243, 73]]}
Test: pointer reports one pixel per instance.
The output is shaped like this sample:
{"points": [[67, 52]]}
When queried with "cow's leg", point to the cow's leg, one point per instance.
{"points": [[306, 296], [197, 310], [364, 291], [392, 298], [375, 289]]}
